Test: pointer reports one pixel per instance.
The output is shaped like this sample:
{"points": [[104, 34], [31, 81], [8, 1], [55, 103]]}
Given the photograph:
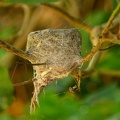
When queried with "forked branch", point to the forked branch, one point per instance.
{"points": [[103, 38], [114, 13]]}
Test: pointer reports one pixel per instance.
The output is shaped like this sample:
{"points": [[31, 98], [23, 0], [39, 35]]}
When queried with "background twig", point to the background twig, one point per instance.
{"points": [[14, 50], [114, 13], [75, 22]]}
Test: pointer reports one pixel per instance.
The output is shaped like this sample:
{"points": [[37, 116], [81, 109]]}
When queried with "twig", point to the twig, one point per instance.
{"points": [[114, 41], [21, 40], [103, 39], [92, 53], [97, 47], [26, 17], [114, 13], [75, 22], [14, 50], [92, 63], [32, 64], [24, 82]]}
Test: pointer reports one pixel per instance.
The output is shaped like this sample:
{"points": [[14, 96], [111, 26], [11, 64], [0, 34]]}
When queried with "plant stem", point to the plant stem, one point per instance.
{"points": [[114, 13]]}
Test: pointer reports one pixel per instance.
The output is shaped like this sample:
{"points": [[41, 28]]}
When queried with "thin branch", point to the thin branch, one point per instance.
{"points": [[92, 53], [75, 22], [97, 48], [14, 50], [24, 82], [114, 41], [21, 40], [103, 39], [92, 62], [114, 13], [26, 17], [37, 64]]}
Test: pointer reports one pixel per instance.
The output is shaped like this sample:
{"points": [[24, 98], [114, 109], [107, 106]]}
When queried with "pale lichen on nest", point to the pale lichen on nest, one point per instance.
{"points": [[60, 48]]}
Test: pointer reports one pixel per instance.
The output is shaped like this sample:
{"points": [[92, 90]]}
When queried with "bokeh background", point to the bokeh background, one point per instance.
{"points": [[99, 96]]}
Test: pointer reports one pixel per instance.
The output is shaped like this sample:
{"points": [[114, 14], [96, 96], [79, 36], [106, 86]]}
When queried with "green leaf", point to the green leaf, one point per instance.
{"points": [[7, 32], [86, 46], [100, 105], [5, 117], [97, 18], [6, 89], [111, 61]]}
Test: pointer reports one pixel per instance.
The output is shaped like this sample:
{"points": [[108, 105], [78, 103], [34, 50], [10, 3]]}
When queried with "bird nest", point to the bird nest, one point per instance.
{"points": [[58, 49]]}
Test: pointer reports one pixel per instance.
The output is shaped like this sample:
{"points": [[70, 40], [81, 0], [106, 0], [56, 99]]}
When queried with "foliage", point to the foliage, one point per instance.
{"points": [[6, 89], [102, 104]]}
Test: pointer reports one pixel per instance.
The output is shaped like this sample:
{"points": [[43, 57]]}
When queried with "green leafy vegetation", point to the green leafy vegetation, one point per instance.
{"points": [[102, 104], [6, 89], [7, 33]]}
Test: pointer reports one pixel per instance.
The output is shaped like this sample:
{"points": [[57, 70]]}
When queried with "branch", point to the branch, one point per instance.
{"points": [[24, 82], [114, 41], [97, 48], [26, 17], [14, 50], [75, 22], [92, 53], [114, 13], [103, 39]]}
